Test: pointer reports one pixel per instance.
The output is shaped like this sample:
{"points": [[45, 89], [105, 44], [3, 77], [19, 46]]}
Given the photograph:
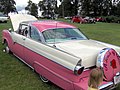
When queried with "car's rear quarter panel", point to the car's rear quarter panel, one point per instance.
{"points": [[57, 73], [51, 69], [54, 72]]}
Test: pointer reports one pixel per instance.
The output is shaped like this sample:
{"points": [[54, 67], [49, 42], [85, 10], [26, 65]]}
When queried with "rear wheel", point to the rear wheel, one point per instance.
{"points": [[6, 48], [45, 80]]}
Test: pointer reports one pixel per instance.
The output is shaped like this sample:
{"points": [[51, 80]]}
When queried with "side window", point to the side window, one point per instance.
{"points": [[24, 30], [34, 34]]}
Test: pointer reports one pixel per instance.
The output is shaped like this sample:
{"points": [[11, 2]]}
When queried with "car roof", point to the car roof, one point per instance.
{"points": [[50, 24]]}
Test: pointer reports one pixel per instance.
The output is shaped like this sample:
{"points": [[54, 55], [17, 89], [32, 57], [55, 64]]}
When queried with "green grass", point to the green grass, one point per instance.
{"points": [[14, 75]]}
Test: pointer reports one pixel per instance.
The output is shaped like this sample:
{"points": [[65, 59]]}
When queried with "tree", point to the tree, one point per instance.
{"points": [[32, 8], [49, 8], [75, 7], [89, 7], [115, 2], [86, 7], [41, 5], [68, 7], [107, 6], [118, 9], [7, 6], [96, 7]]}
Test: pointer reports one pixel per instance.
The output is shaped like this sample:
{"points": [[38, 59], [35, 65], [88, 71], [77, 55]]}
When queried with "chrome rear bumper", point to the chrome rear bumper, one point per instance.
{"points": [[108, 86]]}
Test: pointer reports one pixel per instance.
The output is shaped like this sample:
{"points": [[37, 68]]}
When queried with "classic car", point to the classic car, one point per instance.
{"points": [[61, 53], [78, 19], [3, 18], [90, 19]]}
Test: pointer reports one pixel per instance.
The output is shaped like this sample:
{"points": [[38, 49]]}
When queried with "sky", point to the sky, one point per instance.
{"points": [[24, 2], [21, 4]]}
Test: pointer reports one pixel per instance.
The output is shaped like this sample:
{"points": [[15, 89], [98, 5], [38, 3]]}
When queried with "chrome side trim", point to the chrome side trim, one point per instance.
{"points": [[52, 72], [106, 85], [49, 57], [48, 46], [24, 62], [38, 54]]}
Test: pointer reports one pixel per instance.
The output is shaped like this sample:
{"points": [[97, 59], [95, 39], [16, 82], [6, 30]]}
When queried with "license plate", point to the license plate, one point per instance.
{"points": [[117, 79]]}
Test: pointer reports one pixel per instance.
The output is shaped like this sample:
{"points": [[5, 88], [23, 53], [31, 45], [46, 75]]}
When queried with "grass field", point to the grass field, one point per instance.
{"points": [[14, 75]]}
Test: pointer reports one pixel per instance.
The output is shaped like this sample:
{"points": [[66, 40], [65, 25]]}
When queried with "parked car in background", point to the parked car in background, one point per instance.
{"points": [[61, 53], [68, 17], [3, 18], [100, 19], [78, 19], [90, 20]]}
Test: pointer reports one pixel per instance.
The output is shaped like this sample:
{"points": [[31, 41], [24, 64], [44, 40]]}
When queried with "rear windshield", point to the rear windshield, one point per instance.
{"points": [[63, 34]]}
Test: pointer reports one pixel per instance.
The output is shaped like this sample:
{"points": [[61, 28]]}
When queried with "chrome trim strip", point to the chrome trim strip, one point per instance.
{"points": [[48, 46], [27, 47], [54, 73], [38, 54], [106, 85], [24, 62]]}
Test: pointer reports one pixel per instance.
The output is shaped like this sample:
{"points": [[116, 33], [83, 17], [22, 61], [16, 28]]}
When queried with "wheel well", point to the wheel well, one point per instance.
{"points": [[4, 41]]}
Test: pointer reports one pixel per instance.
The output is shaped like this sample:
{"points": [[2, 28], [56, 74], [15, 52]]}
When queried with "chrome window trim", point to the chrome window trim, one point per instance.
{"points": [[40, 34]]}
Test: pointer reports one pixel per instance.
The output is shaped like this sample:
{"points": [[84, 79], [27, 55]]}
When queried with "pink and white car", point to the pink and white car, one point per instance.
{"points": [[60, 53]]}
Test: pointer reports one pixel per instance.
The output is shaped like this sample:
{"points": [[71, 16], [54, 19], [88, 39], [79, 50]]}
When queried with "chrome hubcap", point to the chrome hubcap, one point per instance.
{"points": [[7, 49], [44, 79]]}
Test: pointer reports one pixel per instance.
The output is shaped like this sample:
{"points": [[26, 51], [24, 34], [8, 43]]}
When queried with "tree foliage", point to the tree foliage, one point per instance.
{"points": [[68, 7], [32, 8], [7, 6], [49, 7], [96, 7], [89, 7], [118, 9]]}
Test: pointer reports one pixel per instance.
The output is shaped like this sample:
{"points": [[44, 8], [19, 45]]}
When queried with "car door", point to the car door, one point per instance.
{"points": [[33, 39], [19, 39]]}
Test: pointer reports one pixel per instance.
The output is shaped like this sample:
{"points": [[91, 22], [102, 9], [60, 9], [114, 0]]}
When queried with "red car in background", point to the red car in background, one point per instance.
{"points": [[78, 19], [100, 19]]}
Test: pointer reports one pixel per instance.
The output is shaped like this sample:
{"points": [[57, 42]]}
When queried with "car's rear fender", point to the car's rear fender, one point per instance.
{"points": [[55, 72], [54, 76]]}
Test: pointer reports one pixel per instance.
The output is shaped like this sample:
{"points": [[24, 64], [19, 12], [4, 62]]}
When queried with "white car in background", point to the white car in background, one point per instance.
{"points": [[3, 18]]}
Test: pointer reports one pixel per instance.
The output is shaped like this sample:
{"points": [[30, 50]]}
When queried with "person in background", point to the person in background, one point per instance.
{"points": [[95, 79]]}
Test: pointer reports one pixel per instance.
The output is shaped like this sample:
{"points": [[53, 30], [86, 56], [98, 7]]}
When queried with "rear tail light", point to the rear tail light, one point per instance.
{"points": [[78, 70]]}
